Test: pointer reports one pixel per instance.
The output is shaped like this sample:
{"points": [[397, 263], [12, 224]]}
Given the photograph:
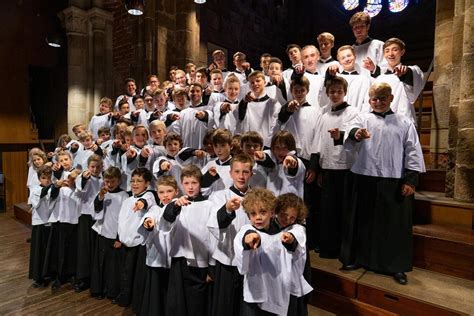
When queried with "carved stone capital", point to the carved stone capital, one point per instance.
{"points": [[99, 18], [74, 20]]}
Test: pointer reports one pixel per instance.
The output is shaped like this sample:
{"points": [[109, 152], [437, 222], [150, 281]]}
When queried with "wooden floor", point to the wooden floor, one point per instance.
{"points": [[18, 297]]}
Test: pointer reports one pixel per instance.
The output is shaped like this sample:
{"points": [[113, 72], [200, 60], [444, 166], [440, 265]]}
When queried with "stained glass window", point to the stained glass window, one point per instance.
{"points": [[397, 5], [373, 7], [350, 4]]}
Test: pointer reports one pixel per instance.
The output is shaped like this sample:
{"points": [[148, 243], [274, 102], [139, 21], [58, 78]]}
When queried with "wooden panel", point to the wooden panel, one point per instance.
{"points": [[15, 170], [432, 180], [330, 282], [399, 304], [431, 212], [22, 213]]}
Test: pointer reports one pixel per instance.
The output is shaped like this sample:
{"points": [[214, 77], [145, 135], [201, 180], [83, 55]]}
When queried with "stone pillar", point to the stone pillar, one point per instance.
{"points": [[187, 32], [464, 177], [165, 36], [99, 19], [442, 82], [457, 38], [75, 23]]}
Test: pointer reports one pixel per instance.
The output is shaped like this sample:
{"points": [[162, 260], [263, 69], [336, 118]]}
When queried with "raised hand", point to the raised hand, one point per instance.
{"points": [[200, 115], [293, 106], [199, 153], [86, 174], [165, 166], [407, 189], [183, 201], [259, 155], [225, 107], [149, 223], [233, 204], [299, 68], [335, 133], [146, 151], [362, 133], [139, 205], [368, 64], [287, 238], [333, 70], [400, 70], [290, 162], [252, 240], [249, 97], [212, 171]]}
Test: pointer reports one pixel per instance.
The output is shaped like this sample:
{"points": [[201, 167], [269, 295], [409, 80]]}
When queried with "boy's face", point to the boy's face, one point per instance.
{"points": [[104, 136], [240, 174], [191, 186], [166, 193], [131, 88], [232, 90], [287, 217], [264, 63], [45, 180], [111, 183], [179, 101], [347, 59], [280, 151], [140, 137], [95, 168], [310, 58], [128, 139], [274, 69], [149, 103], [222, 151], [172, 75], [124, 109], [172, 147], [138, 184], [104, 108], [209, 148], [195, 94], [180, 79], [79, 130], [393, 54], [238, 61], [139, 104], [65, 161], [160, 101], [325, 47], [361, 31], [87, 142], [201, 79], [260, 217], [257, 85], [216, 81], [250, 148], [158, 134], [219, 60], [299, 93], [336, 94], [380, 102], [37, 161], [153, 83], [295, 55]]}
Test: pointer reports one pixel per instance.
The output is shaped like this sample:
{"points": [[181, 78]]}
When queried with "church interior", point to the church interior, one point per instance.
{"points": [[50, 89]]}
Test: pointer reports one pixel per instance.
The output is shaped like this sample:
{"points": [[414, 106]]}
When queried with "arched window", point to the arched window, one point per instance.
{"points": [[397, 5], [373, 7], [350, 4]]}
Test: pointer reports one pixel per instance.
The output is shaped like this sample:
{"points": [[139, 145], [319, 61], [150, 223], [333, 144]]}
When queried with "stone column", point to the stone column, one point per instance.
{"points": [[75, 22], [442, 82], [99, 19], [457, 38], [187, 32], [464, 177], [165, 36]]}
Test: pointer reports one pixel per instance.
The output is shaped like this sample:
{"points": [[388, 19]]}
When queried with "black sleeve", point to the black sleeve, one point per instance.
{"points": [[130, 160], [284, 114], [291, 247], [84, 182], [376, 72], [168, 120], [352, 134], [54, 192], [99, 151], [73, 150], [408, 77], [267, 162], [44, 191], [327, 77], [247, 72], [115, 150], [58, 173], [243, 239], [145, 203], [282, 87], [295, 75], [224, 218], [134, 118], [293, 171], [186, 153], [171, 212], [340, 141], [411, 177], [314, 162], [207, 179], [142, 160], [98, 204], [242, 109]]}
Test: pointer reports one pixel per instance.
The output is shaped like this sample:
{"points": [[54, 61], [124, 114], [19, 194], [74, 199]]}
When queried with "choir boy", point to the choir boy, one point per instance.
{"points": [[389, 159], [224, 112], [326, 43], [130, 91], [294, 54], [103, 118], [250, 143]]}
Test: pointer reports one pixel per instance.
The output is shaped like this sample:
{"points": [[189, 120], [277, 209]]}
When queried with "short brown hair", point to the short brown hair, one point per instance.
{"points": [[396, 41], [235, 145], [275, 60], [301, 81], [173, 136], [289, 200], [231, 78], [215, 71], [242, 158], [168, 181], [256, 74], [84, 135], [290, 46], [107, 101], [95, 158], [251, 136], [44, 170], [103, 129], [191, 171], [380, 88], [221, 136], [284, 137], [344, 47], [112, 173], [144, 173], [325, 36], [259, 198], [178, 92], [360, 17], [336, 81], [77, 126]]}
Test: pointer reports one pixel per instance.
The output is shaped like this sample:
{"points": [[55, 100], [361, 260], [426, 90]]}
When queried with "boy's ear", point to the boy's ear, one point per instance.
{"points": [[402, 52], [390, 98]]}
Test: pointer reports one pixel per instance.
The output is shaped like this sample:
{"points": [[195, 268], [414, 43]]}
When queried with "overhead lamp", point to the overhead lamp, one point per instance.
{"points": [[199, 1], [54, 41], [135, 7]]}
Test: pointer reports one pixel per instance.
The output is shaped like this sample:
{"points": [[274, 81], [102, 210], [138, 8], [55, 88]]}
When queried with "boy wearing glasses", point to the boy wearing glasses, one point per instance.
{"points": [[379, 237]]}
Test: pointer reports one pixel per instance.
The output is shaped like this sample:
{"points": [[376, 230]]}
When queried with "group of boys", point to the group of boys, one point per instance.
{"points": [[167, 200]]}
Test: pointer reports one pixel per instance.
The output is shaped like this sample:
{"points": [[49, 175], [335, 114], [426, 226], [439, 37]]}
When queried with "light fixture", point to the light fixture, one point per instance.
{"points": [[54, 40], [199, 1], [135, 7]]}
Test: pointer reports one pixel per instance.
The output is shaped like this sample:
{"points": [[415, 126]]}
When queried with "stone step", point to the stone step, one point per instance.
{"points": [[22, 213], [444, 249], [362, 292], [434, 208]]}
